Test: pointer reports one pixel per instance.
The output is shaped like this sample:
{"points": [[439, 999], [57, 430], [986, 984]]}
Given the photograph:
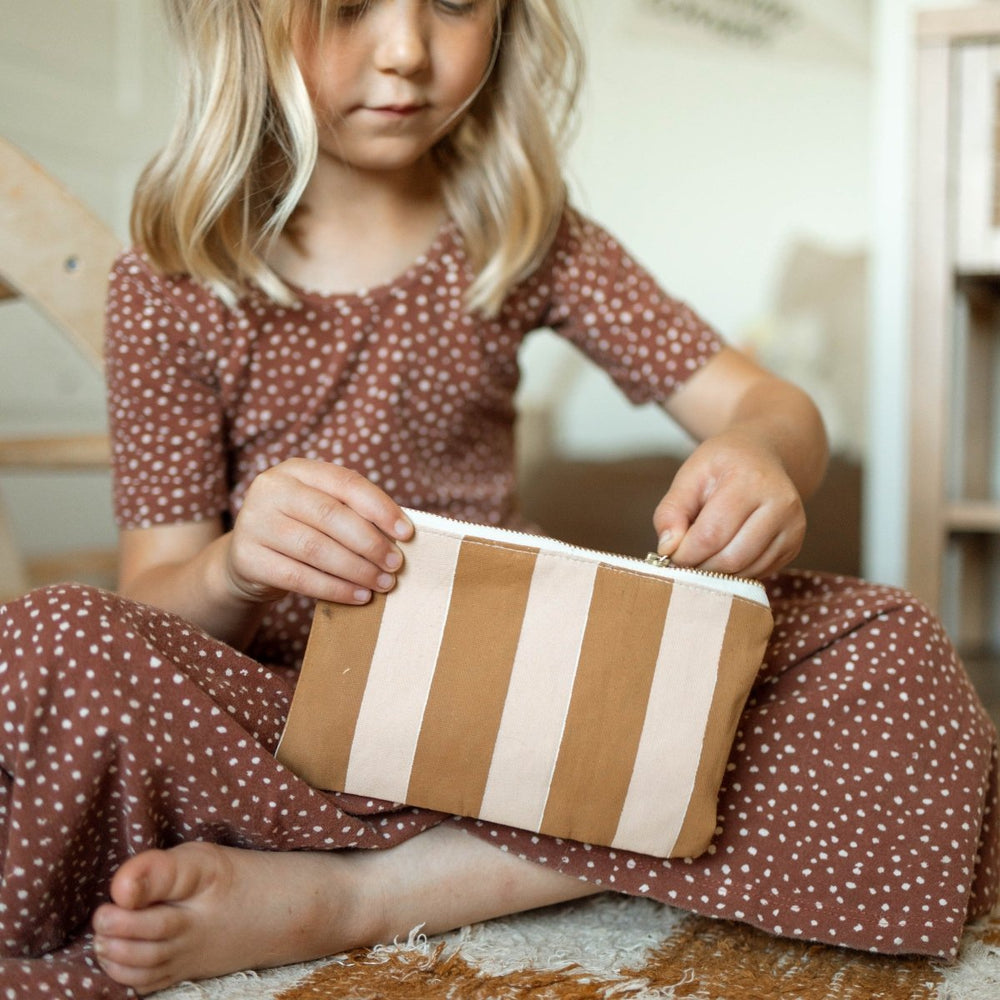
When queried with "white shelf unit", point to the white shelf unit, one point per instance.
{"points": [[954, 376]]}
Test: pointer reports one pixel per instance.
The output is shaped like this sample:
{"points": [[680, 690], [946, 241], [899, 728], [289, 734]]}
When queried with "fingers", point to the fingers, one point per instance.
{"points": [[317, 529], [675, 513], [753, 546], [726, 538], [742, 522], [337, 487]]}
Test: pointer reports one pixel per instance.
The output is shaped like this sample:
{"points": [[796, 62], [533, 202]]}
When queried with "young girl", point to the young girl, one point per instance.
{"points": [[357, 221]]}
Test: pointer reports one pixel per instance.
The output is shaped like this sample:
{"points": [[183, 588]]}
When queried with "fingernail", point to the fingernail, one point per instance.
{"points": [[385, 581], [402, 529], [664, 540], [393, 561], [362, 596]]}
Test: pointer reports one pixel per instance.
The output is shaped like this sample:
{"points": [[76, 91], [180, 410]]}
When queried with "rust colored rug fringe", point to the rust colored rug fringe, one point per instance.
{"points": [[709, 959], [412, 975], [703, 960]]}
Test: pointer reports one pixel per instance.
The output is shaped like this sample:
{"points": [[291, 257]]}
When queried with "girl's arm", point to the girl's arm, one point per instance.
{"points": [[736, 504], [309, 527], [176, 567]]}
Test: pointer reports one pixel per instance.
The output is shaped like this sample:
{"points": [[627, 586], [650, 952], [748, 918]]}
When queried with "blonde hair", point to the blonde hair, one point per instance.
{"points": [[245, 143]]}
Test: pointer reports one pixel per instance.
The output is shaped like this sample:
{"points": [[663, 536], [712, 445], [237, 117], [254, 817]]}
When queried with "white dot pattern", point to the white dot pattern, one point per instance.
{"points": [[125, 728], [398, 382], [859, 807], [860, 803]]}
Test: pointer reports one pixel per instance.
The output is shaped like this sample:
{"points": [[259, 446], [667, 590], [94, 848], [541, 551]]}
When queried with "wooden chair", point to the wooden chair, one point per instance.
{"points": [[54, 254]]}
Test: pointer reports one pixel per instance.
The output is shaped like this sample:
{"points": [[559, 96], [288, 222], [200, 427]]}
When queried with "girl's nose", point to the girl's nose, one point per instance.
{"points": [[402, 38]]}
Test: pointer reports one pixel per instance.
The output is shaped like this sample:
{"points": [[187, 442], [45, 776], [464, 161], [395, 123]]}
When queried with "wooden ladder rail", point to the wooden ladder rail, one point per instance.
{"points": [[55, 254]]}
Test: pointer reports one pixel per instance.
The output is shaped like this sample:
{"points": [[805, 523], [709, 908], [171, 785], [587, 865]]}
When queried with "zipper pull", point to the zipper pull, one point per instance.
{"points": [[655, 559]]}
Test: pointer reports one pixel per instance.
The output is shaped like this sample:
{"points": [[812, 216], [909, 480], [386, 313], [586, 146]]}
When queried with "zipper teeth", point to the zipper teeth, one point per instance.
{"points": [[530, 539], [640, 564], [665, 562]]}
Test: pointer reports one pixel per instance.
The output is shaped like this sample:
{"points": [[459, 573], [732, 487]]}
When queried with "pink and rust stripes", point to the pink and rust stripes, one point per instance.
{"points": [[531, 688]]}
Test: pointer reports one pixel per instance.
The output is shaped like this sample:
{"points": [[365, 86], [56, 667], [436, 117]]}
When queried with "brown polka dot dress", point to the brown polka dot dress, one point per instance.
{"points": [[860, 803]]}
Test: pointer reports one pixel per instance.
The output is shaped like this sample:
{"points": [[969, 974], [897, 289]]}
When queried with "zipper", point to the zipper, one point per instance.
{"points": [[652, 565], [665, 562]]}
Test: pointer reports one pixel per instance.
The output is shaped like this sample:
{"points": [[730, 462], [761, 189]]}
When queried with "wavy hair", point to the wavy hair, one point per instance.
{"points": [[244, 146]]}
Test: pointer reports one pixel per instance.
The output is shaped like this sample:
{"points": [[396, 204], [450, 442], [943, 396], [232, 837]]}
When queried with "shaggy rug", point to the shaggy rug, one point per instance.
{"points": [[615, 948]]}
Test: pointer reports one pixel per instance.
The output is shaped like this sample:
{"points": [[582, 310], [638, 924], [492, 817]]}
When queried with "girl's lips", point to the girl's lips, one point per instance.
{"points": [[397, 110]]}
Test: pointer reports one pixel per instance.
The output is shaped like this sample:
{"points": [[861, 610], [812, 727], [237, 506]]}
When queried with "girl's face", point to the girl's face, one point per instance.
{"points": [[389, 78]]}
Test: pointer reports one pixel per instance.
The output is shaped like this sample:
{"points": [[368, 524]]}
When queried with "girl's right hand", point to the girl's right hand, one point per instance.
{"points": [[316, 529]]}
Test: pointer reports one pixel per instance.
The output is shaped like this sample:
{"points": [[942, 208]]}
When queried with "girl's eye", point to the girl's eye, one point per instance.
{"points": [[348, 12], [452, 7]]}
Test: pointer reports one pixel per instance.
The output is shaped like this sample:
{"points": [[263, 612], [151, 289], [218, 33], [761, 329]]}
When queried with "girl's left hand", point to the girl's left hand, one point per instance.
{"points": [[732, 508]]}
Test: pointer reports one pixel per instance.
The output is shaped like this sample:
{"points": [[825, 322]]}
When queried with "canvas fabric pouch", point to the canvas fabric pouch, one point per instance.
{"points": [[524, 681]]}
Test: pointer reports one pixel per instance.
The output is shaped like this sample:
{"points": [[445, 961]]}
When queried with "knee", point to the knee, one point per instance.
{"points": [[910, 629], [906, 655], [59, 610], [47, 632], [62, 667]]}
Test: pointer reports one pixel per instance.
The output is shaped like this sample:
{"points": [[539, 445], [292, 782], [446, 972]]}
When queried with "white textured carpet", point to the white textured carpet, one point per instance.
{"points": [[602, 936]]}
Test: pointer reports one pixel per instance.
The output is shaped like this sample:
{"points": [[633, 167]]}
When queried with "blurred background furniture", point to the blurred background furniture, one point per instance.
{"points": [[55, 254], [954, 506], [608, 505]]}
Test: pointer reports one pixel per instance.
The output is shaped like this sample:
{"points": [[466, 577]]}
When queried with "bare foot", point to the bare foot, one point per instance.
{"points": [[200, 910]]}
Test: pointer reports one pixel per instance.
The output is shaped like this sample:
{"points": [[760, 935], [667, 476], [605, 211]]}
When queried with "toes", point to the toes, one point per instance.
{"points": [[148, 935], [156, 876], [138, 949], [148, 955], [142, 980], [155, 924], [143, 880]]}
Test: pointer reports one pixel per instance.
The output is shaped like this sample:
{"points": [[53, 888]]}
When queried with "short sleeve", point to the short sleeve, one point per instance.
{"points": [[616, 312], [164, 409]]}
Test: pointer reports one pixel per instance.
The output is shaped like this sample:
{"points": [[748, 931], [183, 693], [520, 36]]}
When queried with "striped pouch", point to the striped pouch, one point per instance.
{"points": [[531, 683]]}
